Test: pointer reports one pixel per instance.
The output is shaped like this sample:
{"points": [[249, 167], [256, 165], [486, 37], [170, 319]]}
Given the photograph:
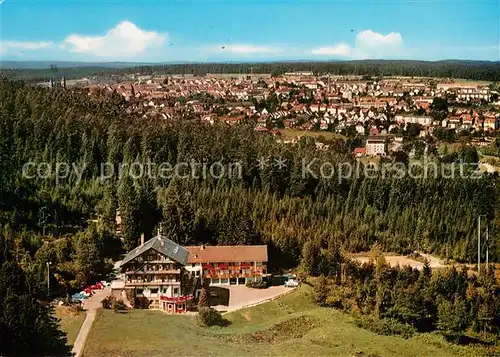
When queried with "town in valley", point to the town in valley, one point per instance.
{"points": [[250, 178]]}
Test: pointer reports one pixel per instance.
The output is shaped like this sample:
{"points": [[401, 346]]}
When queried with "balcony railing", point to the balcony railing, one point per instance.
{"points": [[132, 272], [227, 276], [148, 283]]}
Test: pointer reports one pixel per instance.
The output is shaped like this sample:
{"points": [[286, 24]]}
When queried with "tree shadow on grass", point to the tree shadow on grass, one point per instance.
{"points": [[468, 340]]}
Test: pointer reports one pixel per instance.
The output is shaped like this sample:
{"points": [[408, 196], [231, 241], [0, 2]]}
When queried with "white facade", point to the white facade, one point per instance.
{"points": [[375, 147], [417, 119]]}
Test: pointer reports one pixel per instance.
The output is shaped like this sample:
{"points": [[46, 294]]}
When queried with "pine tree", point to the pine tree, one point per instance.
{"points": [[27, 325], [204, 300], [89, 262], [321, 290], [310, 257], [127, 204], [452, 318], [178, 215]]}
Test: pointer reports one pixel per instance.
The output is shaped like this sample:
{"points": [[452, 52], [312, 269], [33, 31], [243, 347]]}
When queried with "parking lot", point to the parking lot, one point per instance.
{"points": [[241, 296]]}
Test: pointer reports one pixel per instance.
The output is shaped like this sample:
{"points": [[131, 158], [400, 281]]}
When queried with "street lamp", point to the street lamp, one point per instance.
{"points": [[48, 277]]}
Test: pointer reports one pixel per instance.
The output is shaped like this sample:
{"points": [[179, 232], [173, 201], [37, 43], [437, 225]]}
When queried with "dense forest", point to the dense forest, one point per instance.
{"points": [[67, 218], [275, 204], [477, 70], [401, 300]]}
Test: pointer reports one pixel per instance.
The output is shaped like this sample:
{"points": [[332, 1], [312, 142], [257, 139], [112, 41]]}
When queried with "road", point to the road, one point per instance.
{"points": [[483, 166], [91, 305]]}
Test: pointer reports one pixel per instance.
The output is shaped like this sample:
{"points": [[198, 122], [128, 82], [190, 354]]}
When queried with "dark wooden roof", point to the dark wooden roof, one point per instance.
{"points": [[162, 245]]}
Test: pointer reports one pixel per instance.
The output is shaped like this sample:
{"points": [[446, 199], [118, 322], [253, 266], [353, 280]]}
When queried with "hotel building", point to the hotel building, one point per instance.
{"points": [[169, 276]]}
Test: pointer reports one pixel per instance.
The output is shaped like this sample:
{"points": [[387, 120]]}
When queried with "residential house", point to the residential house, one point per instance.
{"points": [[154, 271], [376, 145], [167, 276], [228, 265]]}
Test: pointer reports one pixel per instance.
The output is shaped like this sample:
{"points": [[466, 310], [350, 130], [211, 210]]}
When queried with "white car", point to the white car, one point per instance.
{"points": [[291, 283]]}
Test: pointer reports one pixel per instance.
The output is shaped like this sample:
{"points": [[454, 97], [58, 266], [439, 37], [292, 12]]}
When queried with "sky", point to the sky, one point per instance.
{"points": [[248, 30]]}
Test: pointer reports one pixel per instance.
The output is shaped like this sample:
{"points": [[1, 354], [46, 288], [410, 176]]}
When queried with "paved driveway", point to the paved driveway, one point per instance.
{"points": [[91, 305], [241, 296]]}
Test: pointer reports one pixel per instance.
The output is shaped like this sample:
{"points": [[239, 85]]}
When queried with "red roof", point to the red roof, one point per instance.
{"points": [[261, 128], [227, 254]]}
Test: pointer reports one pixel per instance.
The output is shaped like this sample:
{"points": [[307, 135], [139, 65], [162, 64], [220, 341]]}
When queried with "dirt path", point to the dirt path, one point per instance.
{"points": [[395, 260], [433, 261], [91, 305]]}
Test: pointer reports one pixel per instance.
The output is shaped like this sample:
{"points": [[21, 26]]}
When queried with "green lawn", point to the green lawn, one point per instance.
{"points": [[70, 322], [290, 326]]}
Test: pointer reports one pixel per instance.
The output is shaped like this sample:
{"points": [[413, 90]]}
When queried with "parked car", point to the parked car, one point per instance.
{"points": [[78, 297], [290, 283]]}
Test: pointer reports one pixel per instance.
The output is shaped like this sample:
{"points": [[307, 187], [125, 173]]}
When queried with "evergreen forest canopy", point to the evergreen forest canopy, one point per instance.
{"points": [[476, 70], [275, 205], [70, 221]]}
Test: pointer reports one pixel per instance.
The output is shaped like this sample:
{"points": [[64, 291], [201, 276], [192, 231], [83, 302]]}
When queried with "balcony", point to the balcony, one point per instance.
{"points": [[232, 275], [149, 272], [152, 283]]}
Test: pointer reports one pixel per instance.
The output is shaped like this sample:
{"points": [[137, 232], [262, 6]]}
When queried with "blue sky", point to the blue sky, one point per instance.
{"points": [[202, 30]]}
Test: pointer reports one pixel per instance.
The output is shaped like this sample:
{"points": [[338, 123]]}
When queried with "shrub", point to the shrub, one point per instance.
{"points": [[107, 302], [385, 326], [130, 294], [119, 305], [208, 316], [141, 302], [204, 300], [76, 309], [257, 284]]}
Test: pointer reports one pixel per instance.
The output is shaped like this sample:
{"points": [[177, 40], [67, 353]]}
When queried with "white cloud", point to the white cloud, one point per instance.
{"points": [[369, 39], [124, 41], [246, 49], [21, 46], [340, 49], [368, 44]]}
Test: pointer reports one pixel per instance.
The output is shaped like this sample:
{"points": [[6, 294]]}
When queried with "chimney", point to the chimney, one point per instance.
{"points": [[142, 239], [202, 247]]}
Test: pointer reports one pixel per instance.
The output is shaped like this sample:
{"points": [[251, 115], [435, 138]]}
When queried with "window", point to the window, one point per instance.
{"points": [[192, 265], [154, 291], [176, 291]]}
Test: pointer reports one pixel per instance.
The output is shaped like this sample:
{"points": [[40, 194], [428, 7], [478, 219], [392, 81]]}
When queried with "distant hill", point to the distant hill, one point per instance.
{"points": [[64, 64], [43, 70]]}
